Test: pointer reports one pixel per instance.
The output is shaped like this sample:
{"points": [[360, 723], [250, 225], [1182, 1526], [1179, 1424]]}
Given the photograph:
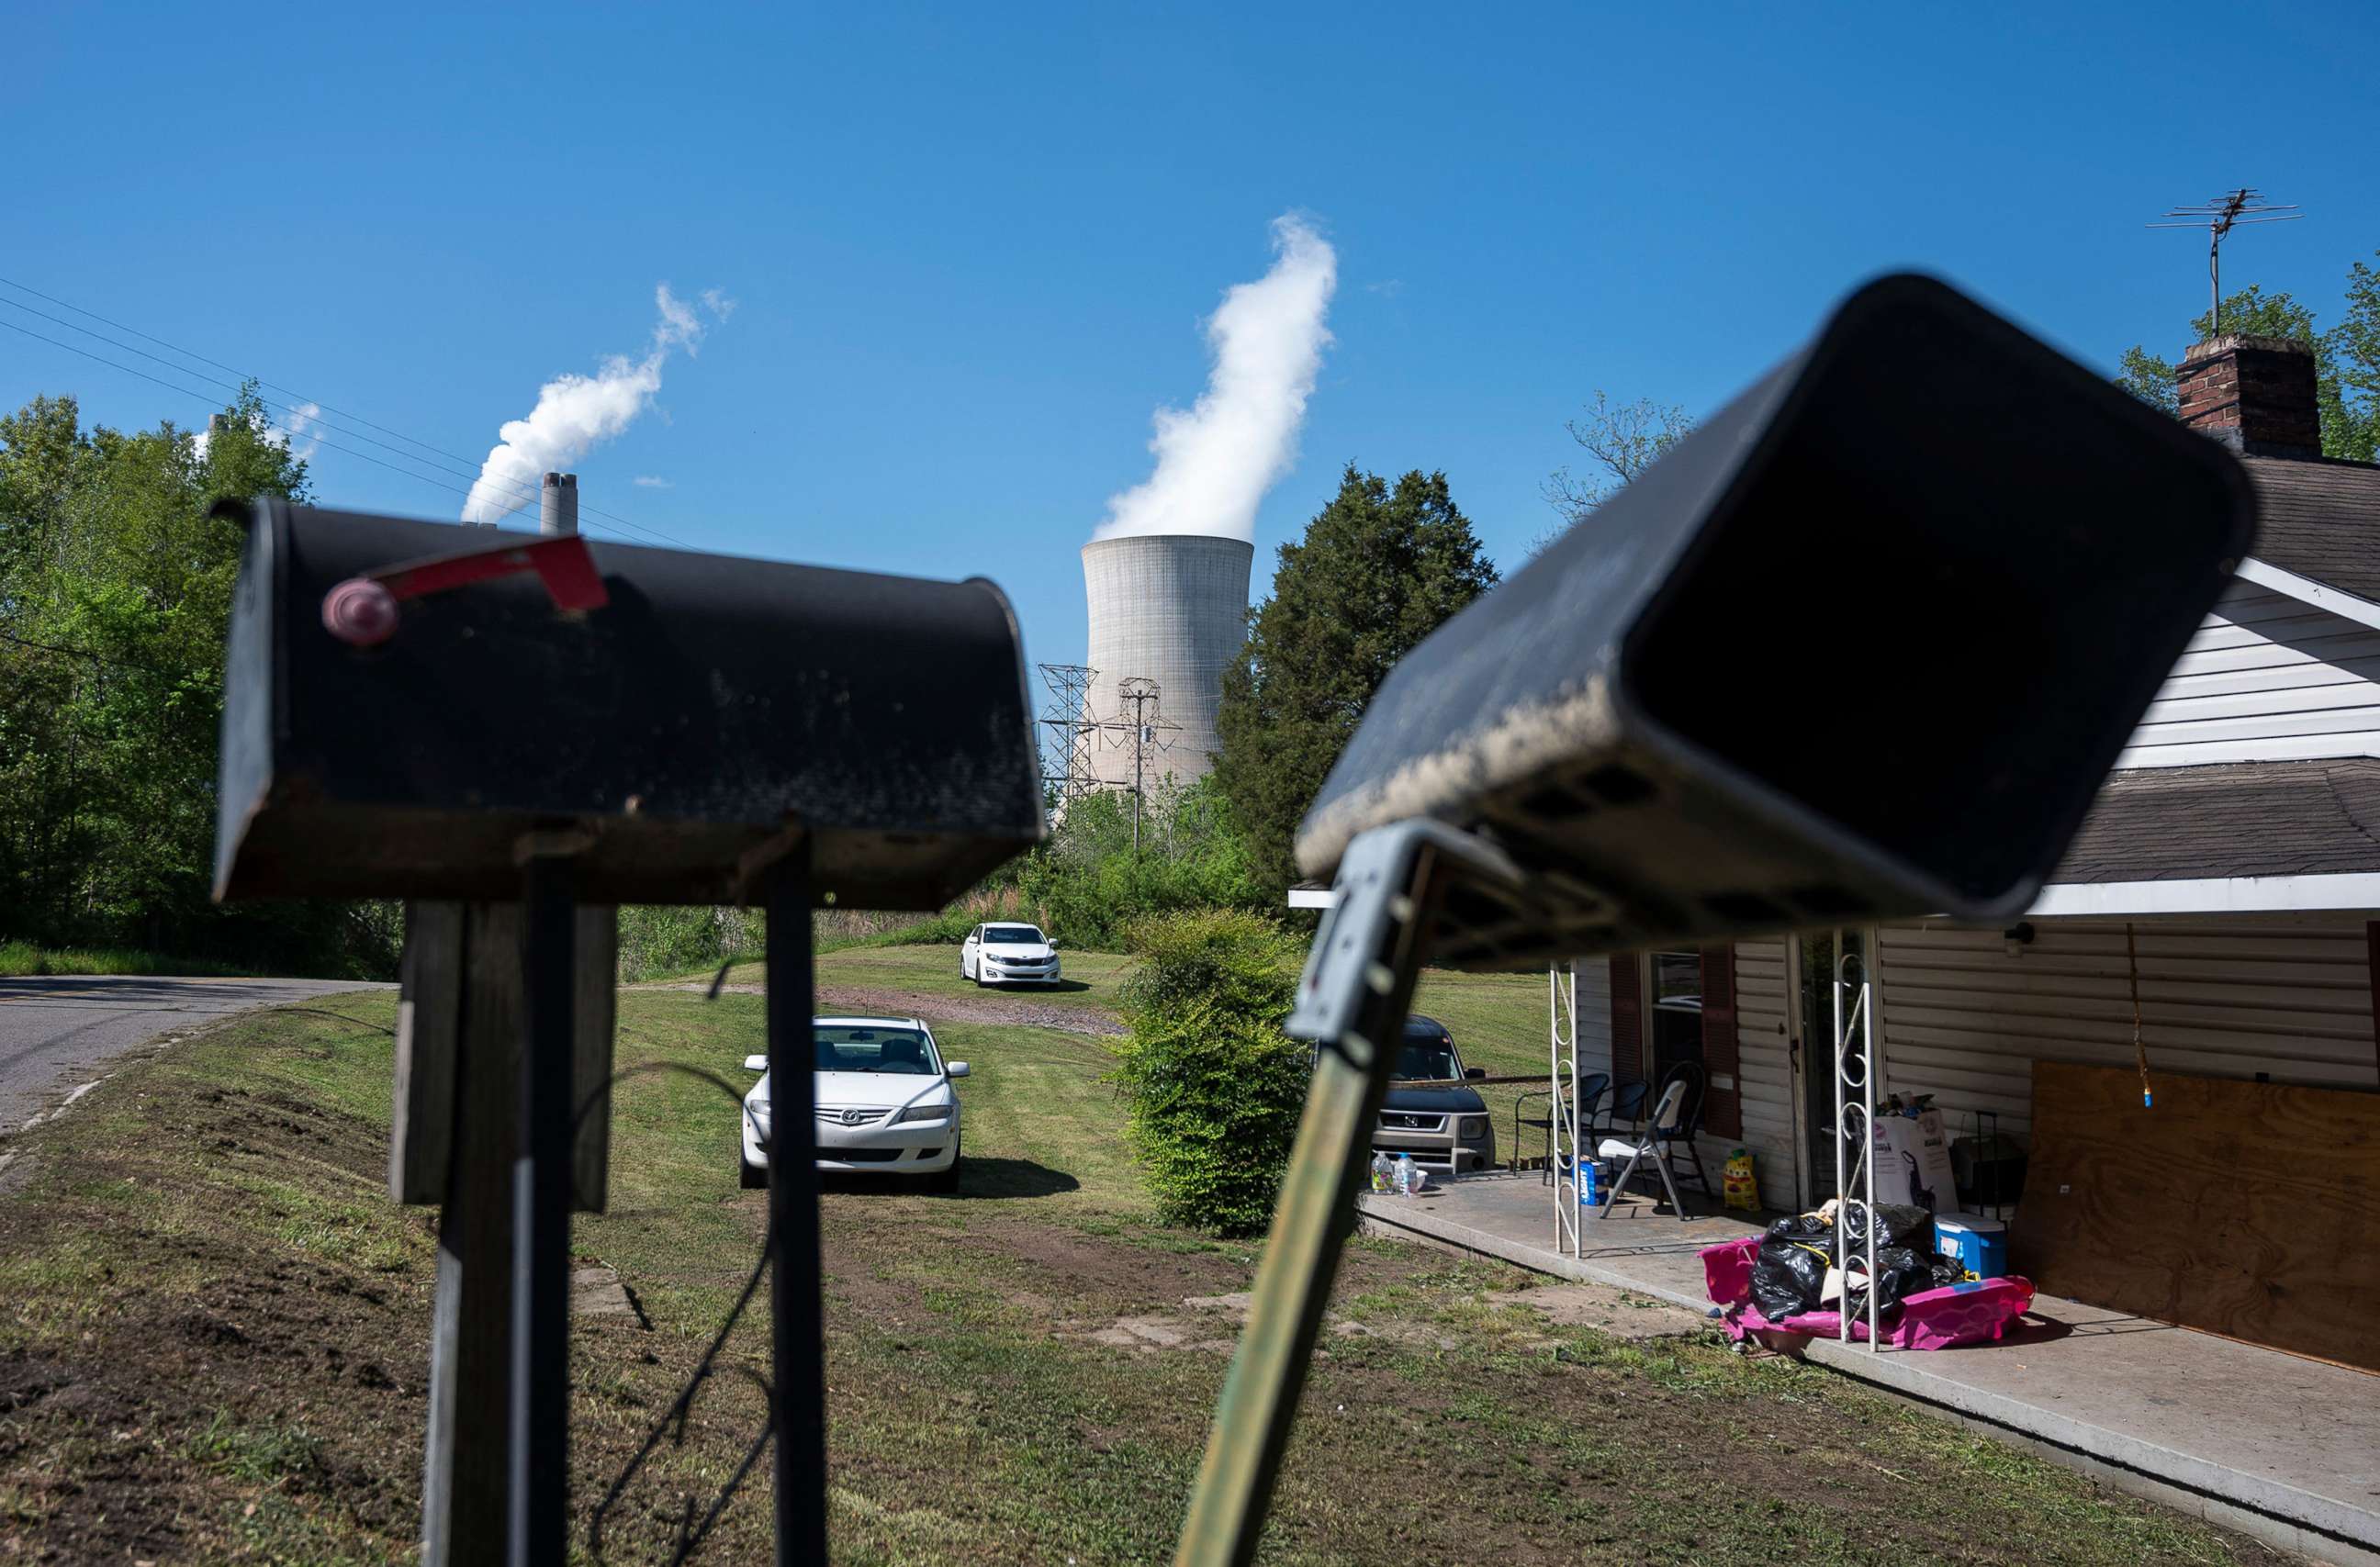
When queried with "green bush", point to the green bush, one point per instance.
{"points": [[1212, 1086], [659, 941], [1088, 883]]}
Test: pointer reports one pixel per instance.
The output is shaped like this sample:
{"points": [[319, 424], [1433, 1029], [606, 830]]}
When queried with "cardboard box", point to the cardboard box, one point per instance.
{"points": [[1912, 1161]]}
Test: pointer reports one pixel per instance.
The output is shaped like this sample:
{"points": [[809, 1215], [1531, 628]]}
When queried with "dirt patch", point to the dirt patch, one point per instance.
{"points": [[1015, 1011], [1622, 1314]]}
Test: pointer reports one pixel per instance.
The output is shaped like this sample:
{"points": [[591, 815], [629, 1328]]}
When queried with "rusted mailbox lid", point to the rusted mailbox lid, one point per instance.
{"points": [[711, 706]]}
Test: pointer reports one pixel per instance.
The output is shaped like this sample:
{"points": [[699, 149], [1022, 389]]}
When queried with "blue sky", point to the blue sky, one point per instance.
{"points": [[972, 248]]}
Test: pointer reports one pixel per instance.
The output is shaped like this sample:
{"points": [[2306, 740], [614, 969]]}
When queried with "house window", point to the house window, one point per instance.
{"points": [[1673, 1022]]}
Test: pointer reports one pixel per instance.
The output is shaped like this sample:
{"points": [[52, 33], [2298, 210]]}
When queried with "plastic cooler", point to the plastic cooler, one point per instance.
{"points": [[1980, 1242]]}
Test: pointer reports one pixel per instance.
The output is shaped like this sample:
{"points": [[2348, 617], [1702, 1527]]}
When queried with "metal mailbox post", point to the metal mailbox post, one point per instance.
{"points": [[412, 713], [1925, 516]]}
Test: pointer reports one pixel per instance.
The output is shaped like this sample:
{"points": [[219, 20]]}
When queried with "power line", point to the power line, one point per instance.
{"points": [[293, 410], [322, 407], [292, 434]]}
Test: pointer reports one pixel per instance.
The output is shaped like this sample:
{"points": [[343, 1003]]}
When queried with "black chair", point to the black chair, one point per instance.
{"points": [[1690, 1118], [1590, 1093], [1627, 1105]]}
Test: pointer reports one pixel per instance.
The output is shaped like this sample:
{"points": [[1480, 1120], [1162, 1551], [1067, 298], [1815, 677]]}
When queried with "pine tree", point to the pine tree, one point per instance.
{"points": [[1379, 568]]}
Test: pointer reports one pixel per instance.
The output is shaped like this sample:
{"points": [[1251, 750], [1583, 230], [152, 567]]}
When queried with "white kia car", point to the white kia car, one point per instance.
{"points": [[885, 1105], [1009, 955]]}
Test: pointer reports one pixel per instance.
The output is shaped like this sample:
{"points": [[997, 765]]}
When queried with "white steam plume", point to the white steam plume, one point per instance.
{"points": [[1216, 460], [575, 413]]}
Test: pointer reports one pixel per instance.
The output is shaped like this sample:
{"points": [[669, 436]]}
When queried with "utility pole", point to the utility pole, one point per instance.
{"points": [[557, 503], [1139, 691]]}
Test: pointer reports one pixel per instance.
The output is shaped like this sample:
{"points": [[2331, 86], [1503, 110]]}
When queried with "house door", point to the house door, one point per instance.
{"points": [[1820, 1112]]}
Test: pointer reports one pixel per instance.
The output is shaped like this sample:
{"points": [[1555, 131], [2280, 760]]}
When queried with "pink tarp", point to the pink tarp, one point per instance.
{"points": [[1960, 1313]]}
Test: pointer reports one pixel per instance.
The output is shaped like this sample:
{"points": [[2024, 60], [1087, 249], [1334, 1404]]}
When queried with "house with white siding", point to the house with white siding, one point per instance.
{"points": [[2230, 867]]}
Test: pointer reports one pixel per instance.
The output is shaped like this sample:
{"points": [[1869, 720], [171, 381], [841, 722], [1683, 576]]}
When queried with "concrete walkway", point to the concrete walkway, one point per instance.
{"points": [[2275, 1446]]}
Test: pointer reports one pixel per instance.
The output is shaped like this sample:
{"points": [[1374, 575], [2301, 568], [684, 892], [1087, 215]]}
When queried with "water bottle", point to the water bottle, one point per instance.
{"points": [[1380, 1172], [1404, 1174]]}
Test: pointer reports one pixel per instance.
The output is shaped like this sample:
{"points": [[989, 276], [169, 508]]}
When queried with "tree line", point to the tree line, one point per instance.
{"points": [[115, 584]]}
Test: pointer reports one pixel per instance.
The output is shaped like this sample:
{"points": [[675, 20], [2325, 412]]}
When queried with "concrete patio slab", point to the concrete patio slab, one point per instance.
{"points": [[2272, 1444]]}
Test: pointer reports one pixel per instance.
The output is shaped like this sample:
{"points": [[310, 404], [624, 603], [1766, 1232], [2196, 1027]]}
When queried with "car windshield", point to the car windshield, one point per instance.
{"points": [[1428, 1061], [1013, 935], [862, 1048]]}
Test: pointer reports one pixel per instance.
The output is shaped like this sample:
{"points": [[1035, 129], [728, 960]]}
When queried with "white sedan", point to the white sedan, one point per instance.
{"points": [[885, 1104], [1008, 954]]}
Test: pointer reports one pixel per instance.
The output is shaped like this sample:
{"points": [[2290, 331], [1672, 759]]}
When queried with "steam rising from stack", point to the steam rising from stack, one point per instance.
{"points": [[1166, 576], [1215, 459], [575, 413]]}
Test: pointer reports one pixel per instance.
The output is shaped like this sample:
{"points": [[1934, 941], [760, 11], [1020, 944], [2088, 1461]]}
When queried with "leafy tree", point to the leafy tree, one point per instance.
{"points": [[2345, 359], [116, 588], [1379, 568], [1087, 885]]}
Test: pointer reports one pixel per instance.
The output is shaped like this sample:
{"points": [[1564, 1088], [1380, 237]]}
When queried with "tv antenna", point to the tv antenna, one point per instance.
{"points": [[2218, 217]]}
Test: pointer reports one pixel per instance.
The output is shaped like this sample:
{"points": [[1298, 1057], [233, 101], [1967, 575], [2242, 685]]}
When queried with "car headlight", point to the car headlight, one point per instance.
{"points": [[1473, 1128], [924, 1113]]}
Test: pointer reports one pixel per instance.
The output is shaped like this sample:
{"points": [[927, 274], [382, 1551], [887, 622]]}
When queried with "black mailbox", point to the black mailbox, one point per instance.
{"points": [[707, 709], [1862, 646]]}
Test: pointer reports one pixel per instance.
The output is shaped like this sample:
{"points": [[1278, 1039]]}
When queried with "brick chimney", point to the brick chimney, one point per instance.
{"points": [[2255, 395]]}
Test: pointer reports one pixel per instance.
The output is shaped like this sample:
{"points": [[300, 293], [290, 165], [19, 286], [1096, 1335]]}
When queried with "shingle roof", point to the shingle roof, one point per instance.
{"points": [[2236, 818], [2320, 519]]}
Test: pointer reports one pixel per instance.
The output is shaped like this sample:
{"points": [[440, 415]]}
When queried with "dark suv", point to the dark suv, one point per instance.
{"points": [[1445, 1126]]}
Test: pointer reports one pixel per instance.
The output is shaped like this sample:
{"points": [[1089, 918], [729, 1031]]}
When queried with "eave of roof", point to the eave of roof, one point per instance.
{"points": [[2319, 520]]}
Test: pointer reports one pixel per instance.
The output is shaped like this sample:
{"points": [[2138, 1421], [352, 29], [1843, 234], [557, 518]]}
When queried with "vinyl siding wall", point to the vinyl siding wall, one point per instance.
{"points": [[2268, 678], [1964, 1021]]}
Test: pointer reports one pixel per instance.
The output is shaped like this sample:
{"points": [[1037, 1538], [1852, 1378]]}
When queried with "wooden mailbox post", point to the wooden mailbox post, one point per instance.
{"points": [[518, 738]]}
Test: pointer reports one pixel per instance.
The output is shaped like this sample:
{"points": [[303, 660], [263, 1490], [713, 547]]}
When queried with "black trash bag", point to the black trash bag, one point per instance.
{"points": [[1790, 1267], [1901, 1271], [1897, 1224], [1948, 1271]]}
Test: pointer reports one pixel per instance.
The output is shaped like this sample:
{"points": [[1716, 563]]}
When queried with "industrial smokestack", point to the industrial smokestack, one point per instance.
{"points": [[1170, 608], [557, 503]]}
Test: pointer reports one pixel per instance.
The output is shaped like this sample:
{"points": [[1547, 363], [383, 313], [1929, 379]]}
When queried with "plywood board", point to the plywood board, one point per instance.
{"points": [[2246, 1209]]}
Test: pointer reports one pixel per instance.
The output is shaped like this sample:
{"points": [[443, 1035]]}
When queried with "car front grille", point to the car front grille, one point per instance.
{"points": [[850, 1115], [1409, 1121], [861, 1156]]}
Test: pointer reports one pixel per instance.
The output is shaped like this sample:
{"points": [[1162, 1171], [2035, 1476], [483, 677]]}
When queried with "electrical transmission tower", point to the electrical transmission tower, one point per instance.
{"points": [[1071, 733], [1075, 735], [1147, 724]]}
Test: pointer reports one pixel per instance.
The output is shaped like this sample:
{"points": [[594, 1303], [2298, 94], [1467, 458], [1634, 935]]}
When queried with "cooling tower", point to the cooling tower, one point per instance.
{"points": [[1170, 608]]}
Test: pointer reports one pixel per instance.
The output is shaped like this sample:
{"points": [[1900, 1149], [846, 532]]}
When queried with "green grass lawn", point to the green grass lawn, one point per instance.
{"points": [[213, 1333], [1498, 1020]]}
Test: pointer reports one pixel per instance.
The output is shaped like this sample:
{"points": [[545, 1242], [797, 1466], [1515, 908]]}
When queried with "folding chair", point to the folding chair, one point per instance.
{"points": [[1672, 1117]]}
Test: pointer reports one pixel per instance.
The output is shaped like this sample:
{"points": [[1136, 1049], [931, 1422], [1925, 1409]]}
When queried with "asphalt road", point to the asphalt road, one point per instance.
{"points": [[57, 1032]]}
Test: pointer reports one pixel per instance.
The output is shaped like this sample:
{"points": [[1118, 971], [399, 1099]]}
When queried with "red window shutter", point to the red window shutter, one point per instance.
{"points": [[1627, 1020], [1722, 1108]]}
